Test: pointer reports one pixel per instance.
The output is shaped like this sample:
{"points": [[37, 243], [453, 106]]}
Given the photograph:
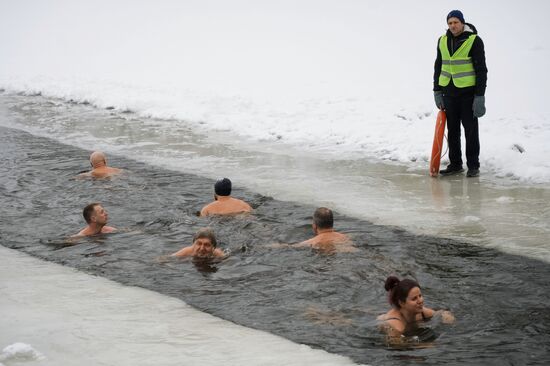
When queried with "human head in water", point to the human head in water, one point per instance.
{"points": [[323, 219], [96, 217], [204, 246], [98, 159], [95, 214], [223, 187], [204, 243], [206, 233], [401, 293]]}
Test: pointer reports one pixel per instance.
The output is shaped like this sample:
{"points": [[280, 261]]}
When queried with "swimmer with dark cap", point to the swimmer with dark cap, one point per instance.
{"points": [[408, 310], [96, 217], [224, 204], [98, 161], [204, 246]]}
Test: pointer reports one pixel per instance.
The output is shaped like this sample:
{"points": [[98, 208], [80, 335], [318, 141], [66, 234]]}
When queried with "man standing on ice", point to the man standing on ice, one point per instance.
{"points": [[460, 79]]}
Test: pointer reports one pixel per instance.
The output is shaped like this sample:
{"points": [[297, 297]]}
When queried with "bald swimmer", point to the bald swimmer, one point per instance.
{"points": [[99, 167], [96, 217], [204, 246], [224, 204]]}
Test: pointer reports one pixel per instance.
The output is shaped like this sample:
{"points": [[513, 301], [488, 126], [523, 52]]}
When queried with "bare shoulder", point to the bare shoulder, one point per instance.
{"points": [[84, 232], [80, 234], [397, 326], [108, 229], [391, 323], [184, 252], [96, 174], [340, 237], [219, 253], [105, 172], [246, 206], [242, 205], [205, 211]]}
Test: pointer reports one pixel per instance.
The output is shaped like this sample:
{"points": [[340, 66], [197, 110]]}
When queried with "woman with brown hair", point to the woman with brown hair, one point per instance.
{"points": [[408, 310]]}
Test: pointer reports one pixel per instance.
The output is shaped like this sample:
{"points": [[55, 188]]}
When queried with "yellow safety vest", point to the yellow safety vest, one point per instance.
{"points": [[459, 66]]}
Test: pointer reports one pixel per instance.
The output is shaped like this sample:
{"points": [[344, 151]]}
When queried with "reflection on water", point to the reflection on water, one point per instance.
{"points": [[327, 301]]}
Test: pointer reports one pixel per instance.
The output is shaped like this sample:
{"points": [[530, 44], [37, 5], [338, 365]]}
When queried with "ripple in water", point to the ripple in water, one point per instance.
{"points": [[326, 301]]}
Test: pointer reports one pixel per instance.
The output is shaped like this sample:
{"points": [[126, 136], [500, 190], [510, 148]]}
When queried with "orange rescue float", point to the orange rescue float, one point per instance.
{"points": [[437, 146]]}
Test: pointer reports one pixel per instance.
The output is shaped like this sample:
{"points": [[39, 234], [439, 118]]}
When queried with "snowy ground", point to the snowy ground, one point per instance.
{"points": [[348, 79]]}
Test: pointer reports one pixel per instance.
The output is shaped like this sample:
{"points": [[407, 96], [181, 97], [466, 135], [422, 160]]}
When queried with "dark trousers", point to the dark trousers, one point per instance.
{"points": [[459, 109]]}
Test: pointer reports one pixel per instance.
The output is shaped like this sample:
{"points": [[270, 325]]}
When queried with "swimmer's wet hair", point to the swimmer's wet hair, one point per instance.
{"points": [[88, 211], [223, 187], [399, 290], [323, 218], [206, 233]]}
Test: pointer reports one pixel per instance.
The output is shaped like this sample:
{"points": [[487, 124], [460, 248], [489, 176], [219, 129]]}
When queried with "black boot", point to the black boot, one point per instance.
{"points": [[451, 170]]}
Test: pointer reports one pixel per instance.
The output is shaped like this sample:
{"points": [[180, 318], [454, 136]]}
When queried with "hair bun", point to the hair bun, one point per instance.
{"points": [[391, 282]]}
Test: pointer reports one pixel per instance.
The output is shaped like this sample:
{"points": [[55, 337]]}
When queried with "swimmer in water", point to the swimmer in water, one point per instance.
{"points": [[326, 239], [408, 310], [96, 217], [204, 246], [223, 203], [98, 161]]}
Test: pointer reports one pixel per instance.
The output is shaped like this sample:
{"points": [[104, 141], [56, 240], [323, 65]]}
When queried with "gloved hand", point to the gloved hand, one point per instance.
{"points": [[438, 97], [479, 106]]}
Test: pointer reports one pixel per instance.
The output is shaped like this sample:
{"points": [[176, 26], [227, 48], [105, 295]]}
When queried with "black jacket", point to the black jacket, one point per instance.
{"points": [[477, 53]]}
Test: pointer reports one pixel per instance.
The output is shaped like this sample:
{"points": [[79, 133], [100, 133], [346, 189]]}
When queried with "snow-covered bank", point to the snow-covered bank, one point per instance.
{"points": [[343, 78], [86, 320]]}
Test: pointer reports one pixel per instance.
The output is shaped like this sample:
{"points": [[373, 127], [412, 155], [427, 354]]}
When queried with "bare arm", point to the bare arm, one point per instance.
{"points": [[446, 316], [304, 244]]}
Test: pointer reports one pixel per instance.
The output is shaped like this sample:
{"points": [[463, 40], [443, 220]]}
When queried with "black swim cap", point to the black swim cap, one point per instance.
{"points": [[223, 187]]}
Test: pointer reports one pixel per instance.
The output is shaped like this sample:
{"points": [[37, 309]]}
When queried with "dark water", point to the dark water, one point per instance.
{"points": [[326, 301]]}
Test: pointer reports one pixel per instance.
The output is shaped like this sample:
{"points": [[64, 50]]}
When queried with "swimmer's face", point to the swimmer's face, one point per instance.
{"points": [[414, 302], [455, 26], [100, 215], [203, 248]]}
